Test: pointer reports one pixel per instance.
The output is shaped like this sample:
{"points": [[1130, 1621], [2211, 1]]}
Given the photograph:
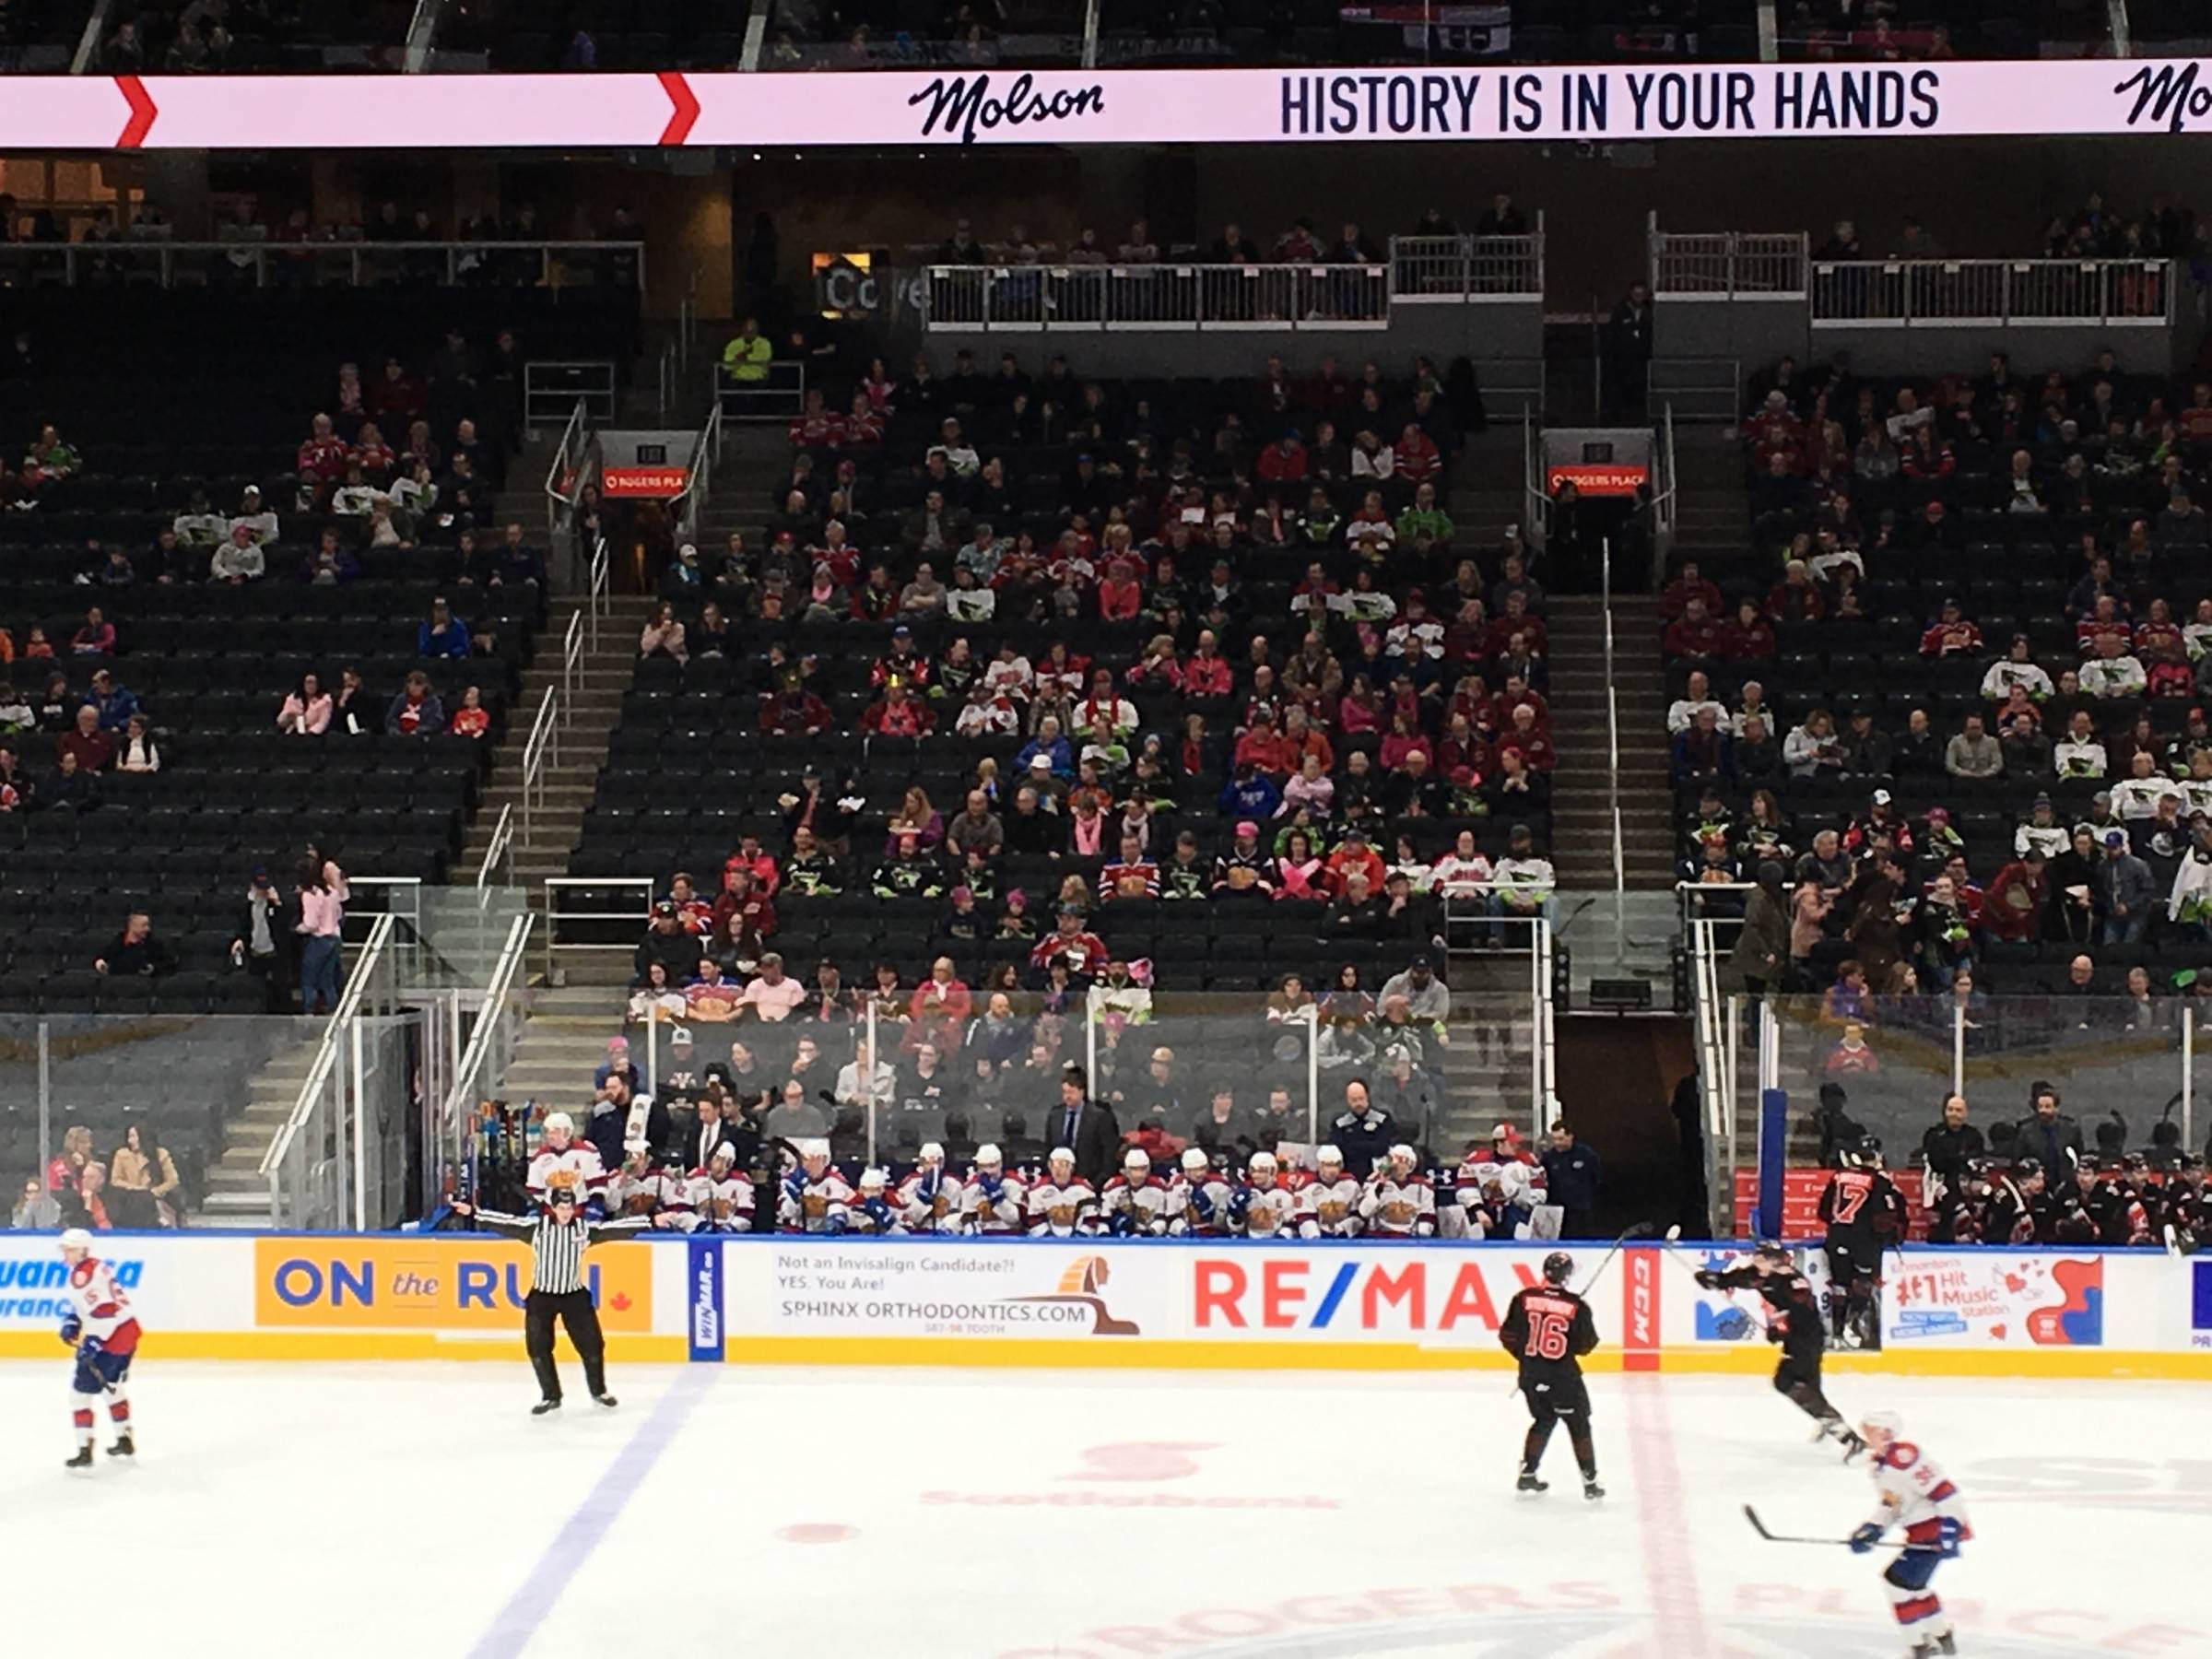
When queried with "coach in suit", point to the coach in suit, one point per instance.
{"points": [[710, 1132], [1085, 1127]]}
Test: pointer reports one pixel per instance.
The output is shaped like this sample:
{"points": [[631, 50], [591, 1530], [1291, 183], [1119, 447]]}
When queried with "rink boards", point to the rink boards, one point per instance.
{"points": [[1099, 1303]]}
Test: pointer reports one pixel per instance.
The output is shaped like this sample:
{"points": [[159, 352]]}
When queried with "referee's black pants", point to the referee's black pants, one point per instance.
{"points": [[573, 1308]]}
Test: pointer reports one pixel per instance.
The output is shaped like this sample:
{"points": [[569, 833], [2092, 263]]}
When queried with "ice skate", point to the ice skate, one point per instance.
{"points": [[1529, 1483]]}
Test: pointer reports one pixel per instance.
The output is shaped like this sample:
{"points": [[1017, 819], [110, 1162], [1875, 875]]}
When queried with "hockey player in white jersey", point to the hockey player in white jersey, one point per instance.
{"points": [[677, 1200], [635, 1189], [990, 1198], [1398, 1202], [1328, 1205], [813, 1198], [876, 1209], [1200, 1198], [721, 1198], [1135, 1204], [101, 1326], [564, 1161], [1917, 1496], [1062, 1205], [931, 1195], [1265, 1204]]}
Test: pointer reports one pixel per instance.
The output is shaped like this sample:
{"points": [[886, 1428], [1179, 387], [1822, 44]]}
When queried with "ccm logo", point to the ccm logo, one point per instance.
{"points": [[1643, 1299]]}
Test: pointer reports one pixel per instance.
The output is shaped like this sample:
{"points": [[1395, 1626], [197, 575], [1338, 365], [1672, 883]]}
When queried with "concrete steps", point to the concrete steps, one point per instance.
{"points": [[1582, 799], [237, 1194]]}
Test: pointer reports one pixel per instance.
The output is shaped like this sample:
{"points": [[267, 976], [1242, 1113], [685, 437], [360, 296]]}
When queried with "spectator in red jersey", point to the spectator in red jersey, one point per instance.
{"points": [[1696, 633], [372, 454], [1284, 461], [1527, 740], [815, 426], [397, 398], [95, 638], [1751, 637], [1261, 747], [321, 457], [1951, 634], [1121, 596], [792, 710], [1796, 597], [862, 425], [1353, 854], [897, 714], [1687, 585], [1419, 461], [1774, 430], [93, 748]]}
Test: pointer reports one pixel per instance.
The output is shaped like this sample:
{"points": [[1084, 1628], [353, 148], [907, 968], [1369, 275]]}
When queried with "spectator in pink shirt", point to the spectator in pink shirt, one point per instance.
{"points": [[322, 912], [773, 994]]}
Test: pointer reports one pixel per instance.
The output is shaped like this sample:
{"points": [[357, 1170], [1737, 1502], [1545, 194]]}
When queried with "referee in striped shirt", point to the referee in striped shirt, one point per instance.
{"points": [[558, 1238]]}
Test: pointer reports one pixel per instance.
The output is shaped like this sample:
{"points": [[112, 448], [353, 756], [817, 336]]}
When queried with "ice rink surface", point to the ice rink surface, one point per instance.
{"points": [[333, 1511]]}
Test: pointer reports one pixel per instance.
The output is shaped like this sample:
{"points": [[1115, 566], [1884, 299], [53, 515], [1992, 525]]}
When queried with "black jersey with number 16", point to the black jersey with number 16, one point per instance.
{"points": [[1548, 1329]]}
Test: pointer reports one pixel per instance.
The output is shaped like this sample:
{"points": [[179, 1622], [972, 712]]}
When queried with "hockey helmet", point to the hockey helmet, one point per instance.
{"points": [[75, 1238], [1887, 1424], [724, 1154], [872, 1181], [1559, 1267], [1328, 1158], [1135, 1160], [1061, 1155], [988, 1157], [1194, 1160]]}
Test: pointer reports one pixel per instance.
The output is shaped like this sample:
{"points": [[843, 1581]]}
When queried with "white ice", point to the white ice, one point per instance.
{"points": [[328, 1512]]}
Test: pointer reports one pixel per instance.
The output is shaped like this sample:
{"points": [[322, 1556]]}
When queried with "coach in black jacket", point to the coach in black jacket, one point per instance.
{"points": [[1085, 1127]]}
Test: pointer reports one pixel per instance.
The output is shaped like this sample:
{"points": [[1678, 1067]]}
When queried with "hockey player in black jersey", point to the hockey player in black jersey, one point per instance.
{"points": [[1793, 1320], [1548, 1329], [1865, 1214]]}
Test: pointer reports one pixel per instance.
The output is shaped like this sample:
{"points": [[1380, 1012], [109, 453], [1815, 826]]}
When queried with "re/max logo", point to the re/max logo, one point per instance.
{"points": [[1360, 1296]]}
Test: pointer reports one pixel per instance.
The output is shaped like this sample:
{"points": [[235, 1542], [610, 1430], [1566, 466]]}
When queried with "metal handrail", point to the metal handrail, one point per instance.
{"points": [[1956, 293], [1428, 270], [598, 600], [1535, 497], [1726, 265], [699, 474], [564, 474], [489, 1027], [541, 750], [274, 262], [499, 852], [327, 1054], [571, 663], [1666, 502], [555, 915], [1620, 862], [1177, 295], [422, 33]]}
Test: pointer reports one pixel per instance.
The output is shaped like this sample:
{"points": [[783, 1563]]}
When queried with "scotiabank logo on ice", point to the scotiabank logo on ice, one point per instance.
{"points": [[1368, 1293]]}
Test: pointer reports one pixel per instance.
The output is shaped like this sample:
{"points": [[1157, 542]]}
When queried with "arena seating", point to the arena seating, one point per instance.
{"points": [[209, 662], [1951, 526], [692, 770]]}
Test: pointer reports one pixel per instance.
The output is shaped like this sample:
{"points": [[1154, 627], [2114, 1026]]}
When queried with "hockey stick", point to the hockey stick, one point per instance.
{"points": [[1759, 1527], [1642, 1229]]}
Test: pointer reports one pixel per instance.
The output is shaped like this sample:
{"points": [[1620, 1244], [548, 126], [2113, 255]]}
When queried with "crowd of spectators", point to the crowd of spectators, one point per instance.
{"points": [[136, 1186]]}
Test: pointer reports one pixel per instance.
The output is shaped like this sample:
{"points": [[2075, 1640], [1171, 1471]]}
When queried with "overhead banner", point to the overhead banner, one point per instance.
{"points": [[2075, 96]]}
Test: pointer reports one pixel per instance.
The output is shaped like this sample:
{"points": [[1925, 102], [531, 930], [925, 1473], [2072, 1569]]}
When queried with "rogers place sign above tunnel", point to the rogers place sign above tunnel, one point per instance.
{"points": [[2168, 98]]}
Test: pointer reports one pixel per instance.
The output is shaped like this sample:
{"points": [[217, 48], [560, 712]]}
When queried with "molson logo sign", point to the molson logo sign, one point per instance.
{"points": [[447, 1282]]}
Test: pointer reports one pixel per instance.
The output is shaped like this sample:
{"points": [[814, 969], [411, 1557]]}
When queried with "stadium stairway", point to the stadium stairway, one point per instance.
{"points": [[237, 1194], [1582, 805], [570, 1022], [587, 714], [1488, 484]]}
